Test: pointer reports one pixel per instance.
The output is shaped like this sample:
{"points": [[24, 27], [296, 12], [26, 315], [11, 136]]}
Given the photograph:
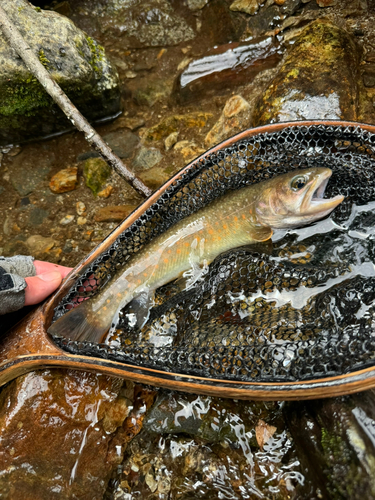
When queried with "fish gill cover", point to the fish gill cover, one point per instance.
{"points": [[301, 308]]}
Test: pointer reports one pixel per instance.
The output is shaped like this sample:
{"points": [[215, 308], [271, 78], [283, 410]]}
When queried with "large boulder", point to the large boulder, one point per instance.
{"points": [[318, 78], [77, 63]]}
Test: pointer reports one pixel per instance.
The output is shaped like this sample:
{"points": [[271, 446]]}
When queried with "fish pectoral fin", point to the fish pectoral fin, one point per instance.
{"points": [[261, 233], [141, 307]]}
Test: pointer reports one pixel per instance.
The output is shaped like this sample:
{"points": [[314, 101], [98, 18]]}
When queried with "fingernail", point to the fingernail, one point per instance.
{"points": [[53, 276]]}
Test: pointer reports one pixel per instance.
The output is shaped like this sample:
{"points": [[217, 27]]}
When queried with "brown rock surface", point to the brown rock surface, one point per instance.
{"points": [[234, 118], [56, 431], [113, 213], [318, 78], [226, 67], [65, 180]]}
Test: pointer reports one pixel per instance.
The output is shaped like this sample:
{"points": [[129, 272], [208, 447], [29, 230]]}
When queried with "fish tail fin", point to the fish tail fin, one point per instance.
{"points": [[80, 324]]}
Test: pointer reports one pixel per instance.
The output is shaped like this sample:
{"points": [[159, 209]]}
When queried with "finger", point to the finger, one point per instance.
{"points": [[39, 287], [47, 267]]}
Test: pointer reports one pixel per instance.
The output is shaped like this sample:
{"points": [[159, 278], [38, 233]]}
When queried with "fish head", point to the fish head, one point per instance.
{"points": [[297, 198]]}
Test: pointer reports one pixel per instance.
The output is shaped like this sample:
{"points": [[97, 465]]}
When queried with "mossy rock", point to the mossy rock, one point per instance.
{"points": [[317, 80], [77, 63], [96, 172]]}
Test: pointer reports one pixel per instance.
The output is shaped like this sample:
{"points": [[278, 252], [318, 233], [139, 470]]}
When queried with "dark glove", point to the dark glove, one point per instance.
{"points": [[13, 270]]}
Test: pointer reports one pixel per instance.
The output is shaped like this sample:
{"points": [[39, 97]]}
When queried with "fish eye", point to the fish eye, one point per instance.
{"points": [[298, 182]]}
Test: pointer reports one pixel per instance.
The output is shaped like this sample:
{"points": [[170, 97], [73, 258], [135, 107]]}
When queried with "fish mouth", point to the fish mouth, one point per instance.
{"points": [[314, 201]]}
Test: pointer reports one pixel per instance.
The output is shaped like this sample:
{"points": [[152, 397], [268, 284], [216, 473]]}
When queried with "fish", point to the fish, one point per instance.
{"points": [[240, 217]]}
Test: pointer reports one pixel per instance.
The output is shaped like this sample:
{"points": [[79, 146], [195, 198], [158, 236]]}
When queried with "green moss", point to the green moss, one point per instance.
{"points": [[37, 9], [43, 59], [24, 97], [97, 55], [96, 172]]}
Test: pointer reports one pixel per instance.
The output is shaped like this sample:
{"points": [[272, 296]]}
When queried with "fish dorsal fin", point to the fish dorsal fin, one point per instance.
{"points": [[261, 233]]}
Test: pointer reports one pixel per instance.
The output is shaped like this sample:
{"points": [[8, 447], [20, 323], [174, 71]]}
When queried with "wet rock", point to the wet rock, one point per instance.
{"points": [[113, 213], [176, 123], [235, 117], [78, 64], [37, 167], [200, 447], [369, 75], [67, 220], [106, 192], [189, 150], [326, 3], [96, 172], [226, 67], [37, 216], [39, 244], [144, 23], [318, 78], [154, 177], [87, 154], [219, 24], [132, 123], [60, 442], [122, 142], [247, 6], [335, 442], [151, 92], [81, 221], [195, 5], [266, 20], [171, 140], [65, 180], [147, 158], [80, 207]]}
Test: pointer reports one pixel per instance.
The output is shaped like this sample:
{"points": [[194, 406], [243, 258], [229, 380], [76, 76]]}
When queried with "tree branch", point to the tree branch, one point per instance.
{"points": [[32, 62]]}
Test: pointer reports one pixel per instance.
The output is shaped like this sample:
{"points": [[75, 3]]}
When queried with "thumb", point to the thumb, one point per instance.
{"points": [[39, 287]]}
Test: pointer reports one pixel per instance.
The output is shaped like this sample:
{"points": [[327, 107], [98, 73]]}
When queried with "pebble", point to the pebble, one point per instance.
{"points": [[80, 207], [96, 172], [113, 213], [106, 192], [67, 220], [130, 74], [235, 117], [81, 221], [39, 244], [171, 140], [65, 180], [247, 6], [147, 158], [195, 5]]}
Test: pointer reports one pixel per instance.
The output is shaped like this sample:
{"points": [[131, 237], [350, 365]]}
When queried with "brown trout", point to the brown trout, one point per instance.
{"points": [[238, 218]]}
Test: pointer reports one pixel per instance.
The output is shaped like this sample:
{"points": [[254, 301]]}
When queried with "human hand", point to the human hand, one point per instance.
{"points": [[48, 278]]}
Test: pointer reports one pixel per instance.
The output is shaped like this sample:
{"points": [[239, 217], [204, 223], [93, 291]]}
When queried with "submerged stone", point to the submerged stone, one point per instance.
{"points": [[65, 180], [234, 118], [147, 158], [113, 213], [60, 442], [77, 63], [140, 23], [174, 123], [247, 6], [96, 172], [318, 78], [226, 67], [335, 440], [122, 142]]}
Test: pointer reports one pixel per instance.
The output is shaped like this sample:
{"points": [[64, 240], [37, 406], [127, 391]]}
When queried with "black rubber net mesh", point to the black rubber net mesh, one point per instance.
{"points": [[297, 308]]}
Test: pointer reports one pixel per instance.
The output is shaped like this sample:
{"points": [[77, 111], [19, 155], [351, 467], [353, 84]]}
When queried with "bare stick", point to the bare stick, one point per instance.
{"points": [[17, 42]]}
